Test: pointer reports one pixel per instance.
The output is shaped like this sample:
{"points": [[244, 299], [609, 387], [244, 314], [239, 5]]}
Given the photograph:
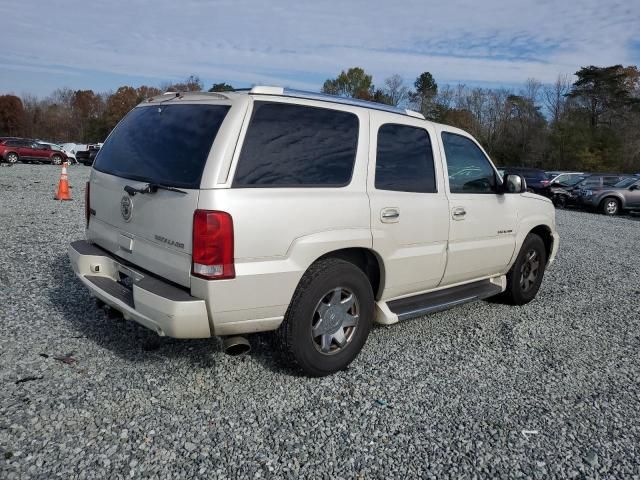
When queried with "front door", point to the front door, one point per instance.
{"points": [[633, 195], [409, 209], [482, 236]]}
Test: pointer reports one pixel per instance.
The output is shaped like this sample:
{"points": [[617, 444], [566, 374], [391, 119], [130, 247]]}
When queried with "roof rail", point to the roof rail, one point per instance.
{"points": [[324, 97]]}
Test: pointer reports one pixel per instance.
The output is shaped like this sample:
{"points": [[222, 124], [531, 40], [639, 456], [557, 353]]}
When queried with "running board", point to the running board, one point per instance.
{"points": [[419, 305]]}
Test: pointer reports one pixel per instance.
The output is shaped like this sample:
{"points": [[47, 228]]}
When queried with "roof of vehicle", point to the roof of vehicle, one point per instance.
{"points": [[290, 93], [524, 169]]}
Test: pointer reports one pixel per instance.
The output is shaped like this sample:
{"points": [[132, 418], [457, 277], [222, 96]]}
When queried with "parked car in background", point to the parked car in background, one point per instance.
{"points": [[565, 178], [536, 179], [596, 182], [71, 157], [560, 189], [624, 195], [14, 149], [88, 153]]}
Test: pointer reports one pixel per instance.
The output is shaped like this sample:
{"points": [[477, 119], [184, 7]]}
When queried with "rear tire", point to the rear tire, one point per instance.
{"points": [[12, 158], [525, 277], [610, 206], [328, 319]]}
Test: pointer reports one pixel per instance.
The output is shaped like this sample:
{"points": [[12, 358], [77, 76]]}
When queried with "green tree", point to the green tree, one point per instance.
{"points": [[354, 83], [221, 87], [606, 90], [423, 99]]}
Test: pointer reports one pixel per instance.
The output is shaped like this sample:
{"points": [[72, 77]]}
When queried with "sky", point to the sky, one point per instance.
{"points": [[84, 44]]}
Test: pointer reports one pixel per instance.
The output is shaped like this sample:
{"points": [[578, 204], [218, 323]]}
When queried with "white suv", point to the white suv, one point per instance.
{"points": [[239, 212]]}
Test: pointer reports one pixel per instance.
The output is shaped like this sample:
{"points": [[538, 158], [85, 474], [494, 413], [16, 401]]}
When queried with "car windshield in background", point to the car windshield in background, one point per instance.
{"points": [[627, 182], [570, 181], [167, 144]]}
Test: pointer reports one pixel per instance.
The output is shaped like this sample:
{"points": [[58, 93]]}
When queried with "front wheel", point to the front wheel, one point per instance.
{"points": [[329, 318], [610, 206], [525, 276], [56, 160], [560, 201]]}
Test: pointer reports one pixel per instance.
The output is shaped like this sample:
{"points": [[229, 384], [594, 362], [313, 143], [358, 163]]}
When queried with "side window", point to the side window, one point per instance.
{"points": [[592, 182], [404, 160], [609, 181], [297, 146], [469, 169]]}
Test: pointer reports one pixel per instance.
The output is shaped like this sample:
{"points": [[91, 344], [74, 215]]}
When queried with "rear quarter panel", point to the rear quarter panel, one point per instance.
{"points": [[279, 232]]}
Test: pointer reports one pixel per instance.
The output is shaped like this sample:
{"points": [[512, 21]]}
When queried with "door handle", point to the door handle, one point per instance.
{"points": [[459, 213], [389, 215]]}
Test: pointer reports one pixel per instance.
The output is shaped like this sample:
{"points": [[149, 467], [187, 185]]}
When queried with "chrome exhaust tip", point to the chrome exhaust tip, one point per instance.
{"points": [[236, 346]]}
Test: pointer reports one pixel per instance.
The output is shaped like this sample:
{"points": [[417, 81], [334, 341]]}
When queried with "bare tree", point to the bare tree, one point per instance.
{"points": [[396, 90], [555, 97]]}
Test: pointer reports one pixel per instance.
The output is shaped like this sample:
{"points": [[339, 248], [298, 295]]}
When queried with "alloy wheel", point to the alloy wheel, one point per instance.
{"points": [[335, 321], [611, 207], [529, 270]]}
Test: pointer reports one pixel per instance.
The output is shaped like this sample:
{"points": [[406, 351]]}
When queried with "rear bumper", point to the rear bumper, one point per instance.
{"points": [[153, 303]]}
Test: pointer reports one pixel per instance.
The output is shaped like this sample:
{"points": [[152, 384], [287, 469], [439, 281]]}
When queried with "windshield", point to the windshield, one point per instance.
{"points": [[167, 144], [569, 179], [627, 182]]}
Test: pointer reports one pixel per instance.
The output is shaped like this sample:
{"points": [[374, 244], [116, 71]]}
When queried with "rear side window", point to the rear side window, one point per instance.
{"points": [[592, 182], [609, 181], [166, 144], [297, 146], [404, 160]]}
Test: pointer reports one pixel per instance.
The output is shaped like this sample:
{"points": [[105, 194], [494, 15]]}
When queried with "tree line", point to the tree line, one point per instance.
{"points": [[589, 124]]}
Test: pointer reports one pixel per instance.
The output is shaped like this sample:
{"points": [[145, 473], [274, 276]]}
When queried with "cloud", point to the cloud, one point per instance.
{"points": [[299, 43]]}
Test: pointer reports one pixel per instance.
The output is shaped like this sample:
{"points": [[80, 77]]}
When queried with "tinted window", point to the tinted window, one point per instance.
{"points": [[469, 169], [404, 160], [609, 181], [166, 144], [293, 145], [591, 182]]}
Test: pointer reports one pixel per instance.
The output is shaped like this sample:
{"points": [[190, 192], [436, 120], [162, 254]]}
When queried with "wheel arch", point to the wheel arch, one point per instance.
{"points": [[544, 232], [367, 260], [619, 197]]}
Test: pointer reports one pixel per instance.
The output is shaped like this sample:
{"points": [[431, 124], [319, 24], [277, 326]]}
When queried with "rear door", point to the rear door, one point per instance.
{"points": [[409, 209], [26, 151], [165, 145]]}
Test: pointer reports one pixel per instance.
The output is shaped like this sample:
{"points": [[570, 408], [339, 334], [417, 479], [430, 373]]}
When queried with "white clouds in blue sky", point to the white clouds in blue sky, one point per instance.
{"points": [[101, 45]]}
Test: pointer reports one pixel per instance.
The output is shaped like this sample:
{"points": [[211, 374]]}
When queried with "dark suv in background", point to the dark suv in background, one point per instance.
{"points": [[537, 180]]}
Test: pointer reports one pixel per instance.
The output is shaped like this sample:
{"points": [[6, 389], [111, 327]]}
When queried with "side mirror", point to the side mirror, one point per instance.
{"points": [[514, 183]]}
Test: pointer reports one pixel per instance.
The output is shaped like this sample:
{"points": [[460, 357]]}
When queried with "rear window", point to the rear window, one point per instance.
{"points": [[166, 144], [297, 146]]}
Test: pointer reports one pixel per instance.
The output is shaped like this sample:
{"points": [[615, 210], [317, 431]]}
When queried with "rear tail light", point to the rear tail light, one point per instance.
{"points": [[212, 256], [87, 203]]}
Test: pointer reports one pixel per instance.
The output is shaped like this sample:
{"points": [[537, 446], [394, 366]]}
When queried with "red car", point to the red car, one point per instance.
{"points": [[14, 149]]}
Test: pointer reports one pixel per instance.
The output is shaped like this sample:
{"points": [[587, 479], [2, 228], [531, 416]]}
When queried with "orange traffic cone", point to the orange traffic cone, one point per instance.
{"points": [[63, 186]]}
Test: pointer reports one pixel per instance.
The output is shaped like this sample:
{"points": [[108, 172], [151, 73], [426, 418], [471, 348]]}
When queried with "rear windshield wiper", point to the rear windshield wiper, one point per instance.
{"points": [[151, 188]]}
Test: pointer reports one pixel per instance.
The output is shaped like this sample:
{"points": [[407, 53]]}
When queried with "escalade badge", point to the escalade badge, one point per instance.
{"points": [[126, 207]]}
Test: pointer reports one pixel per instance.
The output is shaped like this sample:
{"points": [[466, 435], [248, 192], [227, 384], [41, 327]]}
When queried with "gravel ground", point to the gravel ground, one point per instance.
{"points": [[550, 389]]}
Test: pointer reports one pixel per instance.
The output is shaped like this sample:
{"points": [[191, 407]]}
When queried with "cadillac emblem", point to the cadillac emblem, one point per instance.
{"points": [[126, 207]]}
